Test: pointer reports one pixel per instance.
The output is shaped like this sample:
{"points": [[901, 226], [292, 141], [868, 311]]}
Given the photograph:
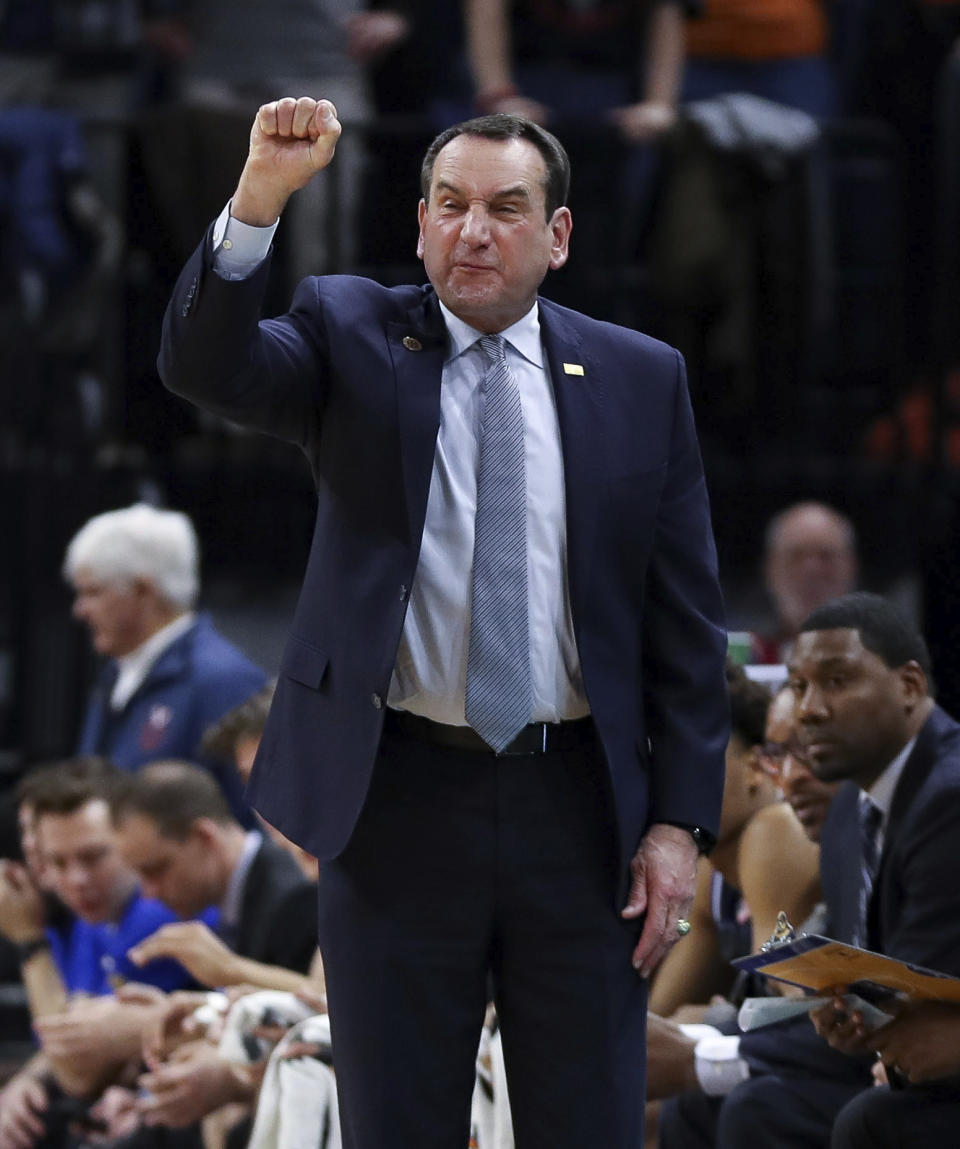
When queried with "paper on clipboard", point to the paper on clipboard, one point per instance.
{"points": [[818, 964]]}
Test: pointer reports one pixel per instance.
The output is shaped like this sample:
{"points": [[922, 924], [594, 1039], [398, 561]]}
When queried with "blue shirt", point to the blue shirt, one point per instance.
{"points": [[92, 956]]}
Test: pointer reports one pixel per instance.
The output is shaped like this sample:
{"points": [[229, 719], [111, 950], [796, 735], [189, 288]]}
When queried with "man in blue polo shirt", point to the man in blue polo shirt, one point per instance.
{"points": [[84, 1044]]}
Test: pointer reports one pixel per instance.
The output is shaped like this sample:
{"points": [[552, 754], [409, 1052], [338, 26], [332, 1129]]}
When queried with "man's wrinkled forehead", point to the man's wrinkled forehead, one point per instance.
{"points": [[503, 166]]}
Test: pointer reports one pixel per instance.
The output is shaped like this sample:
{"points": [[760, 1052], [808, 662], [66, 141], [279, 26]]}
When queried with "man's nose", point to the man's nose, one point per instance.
{"points": [[811, 706], [76, 876], [476, 226]]}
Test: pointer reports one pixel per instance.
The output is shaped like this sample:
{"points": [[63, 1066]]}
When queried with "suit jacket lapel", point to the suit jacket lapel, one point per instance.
{"points": [[580, 399], [916, 770], [418, 347]]}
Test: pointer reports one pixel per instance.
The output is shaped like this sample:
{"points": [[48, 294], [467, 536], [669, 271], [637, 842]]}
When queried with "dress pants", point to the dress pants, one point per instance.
{"points": [[899, 1119], [767, 1111], [468, 871]]}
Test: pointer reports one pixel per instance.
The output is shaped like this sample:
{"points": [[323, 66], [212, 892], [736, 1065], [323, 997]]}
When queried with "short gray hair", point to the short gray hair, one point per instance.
{"points": [[502, 127], [141, 541]]}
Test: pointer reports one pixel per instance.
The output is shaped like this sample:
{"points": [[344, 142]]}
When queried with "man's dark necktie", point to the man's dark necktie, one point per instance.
{"points": [[870, 818], [498, 689]]}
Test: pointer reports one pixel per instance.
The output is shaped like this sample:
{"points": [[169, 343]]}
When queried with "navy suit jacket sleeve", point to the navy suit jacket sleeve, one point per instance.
{"points": [[270, 377]]}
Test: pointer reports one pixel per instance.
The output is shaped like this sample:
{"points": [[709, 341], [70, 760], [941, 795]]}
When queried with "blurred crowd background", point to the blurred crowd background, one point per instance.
{"points": [[772, 185]]}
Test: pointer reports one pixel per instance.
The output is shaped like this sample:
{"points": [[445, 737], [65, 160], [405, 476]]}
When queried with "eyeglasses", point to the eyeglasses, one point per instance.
{"points": [[775, 755]]}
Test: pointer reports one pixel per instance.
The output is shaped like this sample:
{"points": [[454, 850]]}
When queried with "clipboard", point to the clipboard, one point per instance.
{"points": [[817, 964]]}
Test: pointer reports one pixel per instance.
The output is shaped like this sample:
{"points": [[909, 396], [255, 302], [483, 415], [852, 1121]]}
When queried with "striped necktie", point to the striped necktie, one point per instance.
{"points": [[871, 819], [498, 689]]}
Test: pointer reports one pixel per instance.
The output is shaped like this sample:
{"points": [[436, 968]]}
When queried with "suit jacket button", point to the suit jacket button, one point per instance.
{"points": [[404, 593], [377, 701]]}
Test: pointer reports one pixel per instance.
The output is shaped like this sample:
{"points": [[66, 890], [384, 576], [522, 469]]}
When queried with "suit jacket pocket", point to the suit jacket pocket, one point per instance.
{"points": [[304, 662]]}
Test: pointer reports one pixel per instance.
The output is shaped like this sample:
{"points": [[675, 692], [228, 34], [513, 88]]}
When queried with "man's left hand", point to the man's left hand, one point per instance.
{"points": [[194, 1083], [922, 1041], [175, 1026], [22, 910], [843, 1028], [664, 872], [195, 946], [117, 1109]]}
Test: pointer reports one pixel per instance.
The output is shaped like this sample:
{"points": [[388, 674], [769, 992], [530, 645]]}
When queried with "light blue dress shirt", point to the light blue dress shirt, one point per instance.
{"points": [[429, 678]]}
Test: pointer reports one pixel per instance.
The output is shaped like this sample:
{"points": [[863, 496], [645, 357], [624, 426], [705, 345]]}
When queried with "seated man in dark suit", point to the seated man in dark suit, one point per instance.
{"points": [[169, 673], [176, 831], [860, 676]]}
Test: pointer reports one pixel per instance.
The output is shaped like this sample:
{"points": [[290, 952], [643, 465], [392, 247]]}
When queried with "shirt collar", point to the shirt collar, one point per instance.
{"points": [[134, 667], [882, 791], [233, 898], [523, 336]]}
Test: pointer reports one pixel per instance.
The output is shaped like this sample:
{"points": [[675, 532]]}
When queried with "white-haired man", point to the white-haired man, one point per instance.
{"points": [[169, 673]]}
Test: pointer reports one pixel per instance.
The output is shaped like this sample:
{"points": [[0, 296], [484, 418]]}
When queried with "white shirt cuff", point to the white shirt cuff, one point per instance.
{"points": [[239, 248], [718, 1065]]}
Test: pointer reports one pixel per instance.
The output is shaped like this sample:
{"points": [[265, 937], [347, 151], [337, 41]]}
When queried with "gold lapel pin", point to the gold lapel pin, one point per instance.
{"points": [[569, 368], [412, 343]]}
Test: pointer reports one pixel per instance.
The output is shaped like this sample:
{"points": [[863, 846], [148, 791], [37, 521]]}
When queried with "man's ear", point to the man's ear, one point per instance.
{"points": [[145, 590], [204, 830], [561, 225], [759, 769], [421, 218], [914, 684]]}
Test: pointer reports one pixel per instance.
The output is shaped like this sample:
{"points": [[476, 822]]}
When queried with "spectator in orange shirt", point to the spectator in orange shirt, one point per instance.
{"points": [[771, 48]]}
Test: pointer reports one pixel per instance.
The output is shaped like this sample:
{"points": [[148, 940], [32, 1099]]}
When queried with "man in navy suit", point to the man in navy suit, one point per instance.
{"points": [[860, 675], [554, 854], [169, 674]]}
